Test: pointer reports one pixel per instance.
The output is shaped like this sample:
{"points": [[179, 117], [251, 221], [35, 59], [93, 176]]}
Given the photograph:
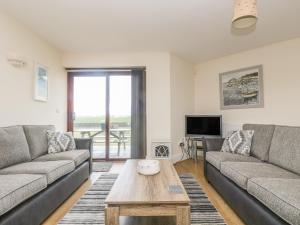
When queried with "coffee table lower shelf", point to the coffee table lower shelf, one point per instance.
{"points": [[181, 211]]}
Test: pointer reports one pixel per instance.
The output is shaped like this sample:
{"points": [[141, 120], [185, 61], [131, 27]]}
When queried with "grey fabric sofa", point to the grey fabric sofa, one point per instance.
{"points": [[264, 188], [34, 183]]}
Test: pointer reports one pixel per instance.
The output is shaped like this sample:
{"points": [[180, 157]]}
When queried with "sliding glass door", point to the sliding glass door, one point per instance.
{"points": [[89, 116], [120, 116], [110, 107], [102, 111]]}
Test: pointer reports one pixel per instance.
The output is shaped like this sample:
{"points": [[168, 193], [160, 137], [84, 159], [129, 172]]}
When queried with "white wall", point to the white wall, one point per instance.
{"points": [[16, 85], [182, 100], [157, 84], [281, 64], [169, 90]]}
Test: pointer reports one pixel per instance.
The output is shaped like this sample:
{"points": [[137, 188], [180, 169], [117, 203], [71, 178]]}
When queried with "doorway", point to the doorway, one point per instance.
{"points": [[100, 107]]}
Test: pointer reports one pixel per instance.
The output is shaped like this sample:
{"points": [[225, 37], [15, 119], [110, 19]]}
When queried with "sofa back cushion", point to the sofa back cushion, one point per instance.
{"points": [[261, 140], [285, 148], [37, 139], [13, 146]]}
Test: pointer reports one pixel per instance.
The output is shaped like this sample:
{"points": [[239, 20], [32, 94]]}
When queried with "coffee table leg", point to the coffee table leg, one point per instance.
{"points": [[183, 215], [112, 216]]}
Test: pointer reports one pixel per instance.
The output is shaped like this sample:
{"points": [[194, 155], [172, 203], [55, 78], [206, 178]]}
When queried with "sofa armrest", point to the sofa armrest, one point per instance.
{"points": [[211, 144], [86, 143]]}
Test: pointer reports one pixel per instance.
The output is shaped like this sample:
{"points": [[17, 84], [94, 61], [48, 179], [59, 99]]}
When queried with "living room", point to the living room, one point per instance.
{"points": [[88, 90]]}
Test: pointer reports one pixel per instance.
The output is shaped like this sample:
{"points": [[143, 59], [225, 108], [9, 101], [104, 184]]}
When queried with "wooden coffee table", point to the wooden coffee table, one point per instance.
{"points": [[136, 195]]}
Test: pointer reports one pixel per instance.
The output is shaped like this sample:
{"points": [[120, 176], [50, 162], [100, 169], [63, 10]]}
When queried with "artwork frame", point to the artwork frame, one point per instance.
{"points": [[41, 79], [242, 88]]}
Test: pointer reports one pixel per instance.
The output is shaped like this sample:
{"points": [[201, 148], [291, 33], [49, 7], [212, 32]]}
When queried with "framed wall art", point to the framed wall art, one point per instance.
{"points": [[242, 88], [41, 83]]}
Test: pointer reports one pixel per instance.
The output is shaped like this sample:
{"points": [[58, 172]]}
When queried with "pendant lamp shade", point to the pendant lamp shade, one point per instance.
{"points": [[245, 13]]}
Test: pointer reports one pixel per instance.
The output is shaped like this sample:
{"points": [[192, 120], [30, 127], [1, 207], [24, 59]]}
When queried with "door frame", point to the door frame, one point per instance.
{"points": [[72, 73]]}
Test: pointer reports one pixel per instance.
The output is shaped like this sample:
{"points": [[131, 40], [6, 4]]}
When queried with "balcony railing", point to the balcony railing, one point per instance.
{"points": [[120, 138]]}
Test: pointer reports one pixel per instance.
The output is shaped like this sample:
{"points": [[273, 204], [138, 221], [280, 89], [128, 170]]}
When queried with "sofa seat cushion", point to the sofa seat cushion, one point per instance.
{"points": [[37, 139], [280, 195], [52, 169], [15, 189], [241, 172], [216, 158], [13, 146], [78, 156]]}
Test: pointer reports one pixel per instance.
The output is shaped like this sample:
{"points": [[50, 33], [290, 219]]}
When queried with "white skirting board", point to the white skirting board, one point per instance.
{"points": [[177, 157]]}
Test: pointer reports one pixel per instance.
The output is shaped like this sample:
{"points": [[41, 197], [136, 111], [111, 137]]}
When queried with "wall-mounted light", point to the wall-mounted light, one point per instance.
{"points": [[16, 61], [245, 14]]}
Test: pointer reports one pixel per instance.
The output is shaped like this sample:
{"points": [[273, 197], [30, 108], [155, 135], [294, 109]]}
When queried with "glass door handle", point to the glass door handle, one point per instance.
{"points": [[73, 116]]}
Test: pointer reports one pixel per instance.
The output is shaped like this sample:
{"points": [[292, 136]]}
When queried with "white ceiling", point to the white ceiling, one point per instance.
{"points": [[197, 30]]}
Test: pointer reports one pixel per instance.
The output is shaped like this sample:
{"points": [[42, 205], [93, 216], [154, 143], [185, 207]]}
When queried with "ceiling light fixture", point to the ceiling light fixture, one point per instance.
{"points": [[245, 14]]}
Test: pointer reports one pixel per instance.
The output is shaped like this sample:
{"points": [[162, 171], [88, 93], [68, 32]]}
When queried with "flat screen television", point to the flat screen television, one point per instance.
{"points": [[203, 126]]}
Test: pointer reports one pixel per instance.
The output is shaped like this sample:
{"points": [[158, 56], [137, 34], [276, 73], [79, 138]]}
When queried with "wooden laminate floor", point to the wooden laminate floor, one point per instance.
{"points": [[187, 166]]}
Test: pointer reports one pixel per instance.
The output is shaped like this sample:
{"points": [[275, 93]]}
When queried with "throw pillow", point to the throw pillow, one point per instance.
{"points": [[60, 141], [239, 142]]}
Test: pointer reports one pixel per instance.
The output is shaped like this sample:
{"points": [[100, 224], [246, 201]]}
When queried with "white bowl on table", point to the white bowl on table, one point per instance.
{"points": [[148, 167]]}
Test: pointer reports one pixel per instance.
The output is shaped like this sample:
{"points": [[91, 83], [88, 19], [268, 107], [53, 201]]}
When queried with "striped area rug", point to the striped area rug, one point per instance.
{"points": [[202, 211], [89, 209]]}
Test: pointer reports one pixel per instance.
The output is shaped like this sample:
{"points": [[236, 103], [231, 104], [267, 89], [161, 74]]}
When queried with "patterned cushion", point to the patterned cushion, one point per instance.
{"points": [[238, 142], [52, 169], [15, 189], [60, 142]]}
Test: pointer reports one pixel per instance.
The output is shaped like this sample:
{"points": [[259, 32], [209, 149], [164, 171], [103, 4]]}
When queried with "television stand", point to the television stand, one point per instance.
{"points": [[192, 147]]}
